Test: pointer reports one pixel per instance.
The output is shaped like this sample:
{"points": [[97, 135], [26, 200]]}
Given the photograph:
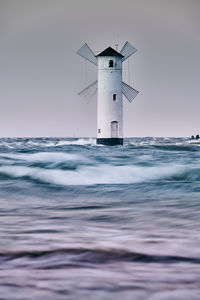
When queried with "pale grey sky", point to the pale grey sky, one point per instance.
{"points": [[40, 73]]}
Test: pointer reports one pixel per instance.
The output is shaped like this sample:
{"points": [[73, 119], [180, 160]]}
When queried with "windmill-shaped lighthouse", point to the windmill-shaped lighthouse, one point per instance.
{"points": [[110, 88]]}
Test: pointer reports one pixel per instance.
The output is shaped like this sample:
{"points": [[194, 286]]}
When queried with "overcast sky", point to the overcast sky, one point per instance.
{"points": [[40, 73]]}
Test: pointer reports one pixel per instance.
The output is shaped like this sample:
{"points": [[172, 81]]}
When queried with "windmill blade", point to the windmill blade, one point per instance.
{"points": [[89, 91], [87, 53], [129, 92], [127, 50]]}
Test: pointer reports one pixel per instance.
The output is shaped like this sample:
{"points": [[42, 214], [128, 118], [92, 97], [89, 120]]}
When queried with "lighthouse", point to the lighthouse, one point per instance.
{"points": [[110, 89]]}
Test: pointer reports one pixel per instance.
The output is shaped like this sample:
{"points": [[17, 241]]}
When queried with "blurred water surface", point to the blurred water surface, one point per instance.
{"points": [[81, 221]]}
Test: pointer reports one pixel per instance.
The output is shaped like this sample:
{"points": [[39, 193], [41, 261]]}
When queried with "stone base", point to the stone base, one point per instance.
{"points": [[110, 142]]}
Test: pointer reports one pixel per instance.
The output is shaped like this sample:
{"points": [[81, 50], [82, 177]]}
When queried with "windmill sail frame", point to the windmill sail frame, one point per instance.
{"points": [[87, 53], [129, 92], [127, 50], [89, 91]]}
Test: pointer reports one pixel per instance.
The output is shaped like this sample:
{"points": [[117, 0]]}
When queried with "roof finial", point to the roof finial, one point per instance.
{"points": [[116, 45], [117, 41]]}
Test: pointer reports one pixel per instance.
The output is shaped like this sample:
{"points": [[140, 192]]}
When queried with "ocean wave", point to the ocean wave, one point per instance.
{"points": [[79, 142], [34, 143], [78, 256], [177, 147], [45, 143], [101, 174], [43, 157], [193, 142], [169, 144]]}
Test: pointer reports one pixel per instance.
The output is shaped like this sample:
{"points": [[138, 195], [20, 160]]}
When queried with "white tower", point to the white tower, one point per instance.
{"points": [[110, 88]]}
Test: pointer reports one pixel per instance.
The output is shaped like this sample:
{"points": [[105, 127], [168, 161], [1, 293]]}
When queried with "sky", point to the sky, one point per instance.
{"points": [[41, 74]]}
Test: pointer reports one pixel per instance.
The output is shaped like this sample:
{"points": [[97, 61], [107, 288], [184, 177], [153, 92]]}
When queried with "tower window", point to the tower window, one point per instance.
{"points": [[99, 130], [114, 96], [111, 63]]}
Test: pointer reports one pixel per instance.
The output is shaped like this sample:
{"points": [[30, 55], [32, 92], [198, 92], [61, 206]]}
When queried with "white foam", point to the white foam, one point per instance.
{"points": [[10, 144], [77, 142], [43, 156], [193, 142], [41, 144], [48, 143], [91, 175]]}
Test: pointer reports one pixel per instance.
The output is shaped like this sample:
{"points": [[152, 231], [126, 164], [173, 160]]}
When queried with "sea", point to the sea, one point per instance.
{"points": [[86, 221]]}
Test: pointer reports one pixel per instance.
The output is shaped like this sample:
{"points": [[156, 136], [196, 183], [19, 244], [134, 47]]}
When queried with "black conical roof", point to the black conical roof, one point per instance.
{"points": [[110, 52]]}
